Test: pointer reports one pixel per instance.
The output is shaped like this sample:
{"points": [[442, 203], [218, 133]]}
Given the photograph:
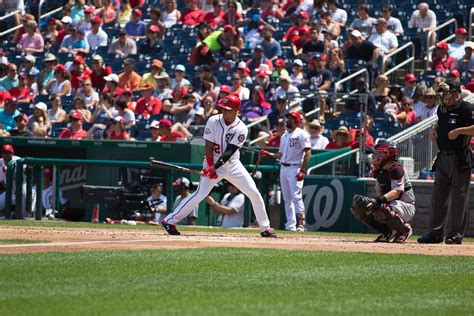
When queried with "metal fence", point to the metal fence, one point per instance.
{"points": [[415, 148]]}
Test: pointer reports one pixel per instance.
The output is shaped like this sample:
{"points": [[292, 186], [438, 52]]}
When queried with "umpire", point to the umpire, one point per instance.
{"points": [[452, 166]]}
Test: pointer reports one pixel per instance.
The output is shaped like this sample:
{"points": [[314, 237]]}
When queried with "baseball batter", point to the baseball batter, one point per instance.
{"points": [[294, 154], [224, 134]]}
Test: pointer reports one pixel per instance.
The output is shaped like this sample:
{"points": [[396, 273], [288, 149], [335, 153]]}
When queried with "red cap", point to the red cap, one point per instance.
{"points": [[410, 77], [262, 73], [5, 96], [454, 73], [303, 14], [230, 28], [230, 102], [89, 10], [165, 123], [442, 45], [8, 148], [79, 59], [461, 31], [97, 19], [296, 115], [224, 88], [60, 68], [138, 12], [280, 63], [76, 115], [154, 29]]}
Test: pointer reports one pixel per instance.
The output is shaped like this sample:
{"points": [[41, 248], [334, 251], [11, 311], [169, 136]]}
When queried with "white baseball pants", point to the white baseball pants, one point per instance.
{"points": [[235, 173], [291, 189]]}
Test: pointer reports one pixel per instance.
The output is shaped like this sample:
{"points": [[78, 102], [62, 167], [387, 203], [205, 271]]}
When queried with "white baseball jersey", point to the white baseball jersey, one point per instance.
{"points": [[292, 146], [217, 132]]}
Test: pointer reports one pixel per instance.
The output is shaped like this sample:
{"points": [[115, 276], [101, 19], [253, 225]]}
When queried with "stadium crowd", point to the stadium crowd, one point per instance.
{"points": [[153, 70]]}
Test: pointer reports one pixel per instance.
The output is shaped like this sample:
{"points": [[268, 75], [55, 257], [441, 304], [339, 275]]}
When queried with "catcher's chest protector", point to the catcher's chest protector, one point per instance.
{"points": [[386, 176]]}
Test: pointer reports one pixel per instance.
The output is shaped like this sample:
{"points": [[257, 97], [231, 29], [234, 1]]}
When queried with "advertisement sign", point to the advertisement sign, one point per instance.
{"points": [[327, 202]]}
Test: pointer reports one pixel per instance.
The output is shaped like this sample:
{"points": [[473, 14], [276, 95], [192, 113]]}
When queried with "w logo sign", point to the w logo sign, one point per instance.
{"points": [[323, 204]]}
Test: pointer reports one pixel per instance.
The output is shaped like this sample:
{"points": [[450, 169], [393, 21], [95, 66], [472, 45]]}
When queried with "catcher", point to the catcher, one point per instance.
{"points": [[394, 205]]}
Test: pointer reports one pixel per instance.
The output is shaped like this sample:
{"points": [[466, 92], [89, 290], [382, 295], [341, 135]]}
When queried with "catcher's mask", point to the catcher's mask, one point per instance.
{"points": [[384, 152], [446, 90]]}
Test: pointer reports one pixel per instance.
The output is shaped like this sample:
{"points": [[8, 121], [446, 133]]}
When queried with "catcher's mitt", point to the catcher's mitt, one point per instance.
{"points": [[362, 206]]}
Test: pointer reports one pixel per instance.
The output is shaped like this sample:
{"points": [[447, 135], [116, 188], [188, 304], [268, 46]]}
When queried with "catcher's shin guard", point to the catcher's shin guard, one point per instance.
{"points": [[386, 216]]}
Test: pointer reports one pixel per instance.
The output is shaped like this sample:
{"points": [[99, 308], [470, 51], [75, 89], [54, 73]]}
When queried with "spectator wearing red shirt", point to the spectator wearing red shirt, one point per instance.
{"points": [[99, 72], [293, 33], [118, 131], [232, 17], [271, 8], [274, 140], [111, 86], [341, 138], [304, 37], [193, 15], [75, 131], [136, 3], [167, 134], [355, 132], [22, 92], [79, 72], [148, 104], [442, 62], [214, 18]]}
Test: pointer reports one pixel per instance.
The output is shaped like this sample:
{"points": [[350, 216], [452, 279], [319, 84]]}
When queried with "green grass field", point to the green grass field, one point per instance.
{"points": [[224, 281]]}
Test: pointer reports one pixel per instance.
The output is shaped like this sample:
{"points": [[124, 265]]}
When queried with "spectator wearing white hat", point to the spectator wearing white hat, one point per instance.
{"points": [[39, 120], [287, 89], [28, 66], [297, 74], [179, 79], [315, 129]]}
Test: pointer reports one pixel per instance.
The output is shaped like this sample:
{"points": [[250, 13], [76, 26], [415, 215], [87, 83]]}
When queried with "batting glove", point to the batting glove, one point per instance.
{"points": [[209, 172], [264, 153], [300, 175]]}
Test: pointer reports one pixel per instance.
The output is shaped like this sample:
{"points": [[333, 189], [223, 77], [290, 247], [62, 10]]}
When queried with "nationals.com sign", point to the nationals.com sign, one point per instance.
{"points": [[328, 201]]}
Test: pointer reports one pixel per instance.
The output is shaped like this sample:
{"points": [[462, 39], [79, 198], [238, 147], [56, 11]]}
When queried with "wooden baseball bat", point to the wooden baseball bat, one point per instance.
{"points": [[165, 165]]}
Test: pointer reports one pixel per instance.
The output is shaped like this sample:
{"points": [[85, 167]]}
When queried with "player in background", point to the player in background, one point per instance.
{"points": [[394, 205], [224, 134], [294, 155]]}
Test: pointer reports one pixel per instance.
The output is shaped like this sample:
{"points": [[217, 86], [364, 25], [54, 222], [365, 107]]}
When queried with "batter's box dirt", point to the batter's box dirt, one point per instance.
{"points": [[71, 239]]}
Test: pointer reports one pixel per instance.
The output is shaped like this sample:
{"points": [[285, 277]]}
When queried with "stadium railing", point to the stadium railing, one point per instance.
{"points": [[6, 16], [415, 143], [471, 21], [429, 49], [339, 83], [410, 60]]}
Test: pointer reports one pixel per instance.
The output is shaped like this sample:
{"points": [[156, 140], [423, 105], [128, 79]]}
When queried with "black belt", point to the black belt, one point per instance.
{"points": [[289, 164]]}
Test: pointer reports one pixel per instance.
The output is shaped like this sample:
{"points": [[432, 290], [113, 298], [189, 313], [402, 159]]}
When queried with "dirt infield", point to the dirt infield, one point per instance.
{"points": [[70, 239]]}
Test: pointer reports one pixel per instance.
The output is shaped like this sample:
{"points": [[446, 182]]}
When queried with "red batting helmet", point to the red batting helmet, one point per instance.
{"points": [[8, 148], [296, 115], [230, 102]]}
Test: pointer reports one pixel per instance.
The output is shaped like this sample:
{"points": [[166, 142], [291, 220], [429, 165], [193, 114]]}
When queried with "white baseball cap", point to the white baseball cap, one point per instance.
{"points": [[66, 19], [42, 106], [112, 77], [180, 68], [356, 33], [298, 62], [242, 65], [30, 58]]}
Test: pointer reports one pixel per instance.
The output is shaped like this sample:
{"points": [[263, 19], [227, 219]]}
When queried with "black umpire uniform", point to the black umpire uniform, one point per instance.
{"points": [[452, 167]]}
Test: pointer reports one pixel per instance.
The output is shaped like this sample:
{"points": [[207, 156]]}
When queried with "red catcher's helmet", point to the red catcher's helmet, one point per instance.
{"points": [[230, 102], [383, 152], [296, 115]]}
